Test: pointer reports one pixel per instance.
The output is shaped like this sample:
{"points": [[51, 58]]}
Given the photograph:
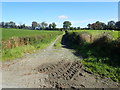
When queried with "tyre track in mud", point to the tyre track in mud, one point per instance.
{"points": [[50, 68], [67, 74]]}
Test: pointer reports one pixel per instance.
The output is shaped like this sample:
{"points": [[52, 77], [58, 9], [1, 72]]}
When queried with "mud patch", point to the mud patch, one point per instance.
{"points": [[66, 74]]}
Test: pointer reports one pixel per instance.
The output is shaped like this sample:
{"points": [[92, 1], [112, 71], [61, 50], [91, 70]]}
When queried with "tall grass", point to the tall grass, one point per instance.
{"points": [[57, 44], [10, 54]]}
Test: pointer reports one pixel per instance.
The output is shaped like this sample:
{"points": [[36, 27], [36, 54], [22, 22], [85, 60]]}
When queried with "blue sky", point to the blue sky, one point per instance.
{"points": [[79, 13]]}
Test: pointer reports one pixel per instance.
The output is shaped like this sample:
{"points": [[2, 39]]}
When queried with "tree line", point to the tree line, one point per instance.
{"points": [[43, 26], [111, 25]]}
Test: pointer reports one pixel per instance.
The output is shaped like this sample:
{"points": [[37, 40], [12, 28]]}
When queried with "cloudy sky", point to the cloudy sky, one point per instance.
{"points": [[79, 13]]}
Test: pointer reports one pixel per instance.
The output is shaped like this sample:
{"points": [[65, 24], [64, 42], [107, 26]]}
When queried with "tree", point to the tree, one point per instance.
{"points": [[66, 25], [12, 24], [50, 26], [43, 25], [89, 26], [53, 26], [111, 25], [103, 26], [78, 28], [34, 24], [2, 24], [97, 26], [6, 25], [71, 28], [75, 28], [117, 25], [22, 26]]}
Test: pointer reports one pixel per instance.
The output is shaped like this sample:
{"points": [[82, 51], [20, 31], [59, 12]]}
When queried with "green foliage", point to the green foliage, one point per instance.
{"points": [[100, 56], [66, 25], [34, 24], [17, 52], [43, 25], [53, 26], [58, 43], [102, 69], [9, 33], [118, 25], [111, 25]]}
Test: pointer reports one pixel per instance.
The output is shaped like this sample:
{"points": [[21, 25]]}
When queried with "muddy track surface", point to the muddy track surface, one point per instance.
{"points": [[65, 74], [50, 68]]}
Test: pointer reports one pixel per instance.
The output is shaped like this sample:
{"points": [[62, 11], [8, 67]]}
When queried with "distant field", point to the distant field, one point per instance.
{"points": [[9, 33], [115, 34]]}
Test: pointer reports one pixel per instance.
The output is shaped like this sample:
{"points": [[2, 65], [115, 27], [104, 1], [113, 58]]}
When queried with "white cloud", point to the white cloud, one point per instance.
{"points": [[62, 17]]}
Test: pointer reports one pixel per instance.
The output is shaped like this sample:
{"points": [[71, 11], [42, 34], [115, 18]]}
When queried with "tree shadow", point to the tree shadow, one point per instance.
{"points": [[64, 43], [67, 45]]}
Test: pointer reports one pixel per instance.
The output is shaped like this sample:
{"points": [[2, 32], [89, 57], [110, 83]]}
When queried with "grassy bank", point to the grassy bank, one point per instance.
{"points": [[37, 40], [115, 34], [57, 44], [101, 56]]}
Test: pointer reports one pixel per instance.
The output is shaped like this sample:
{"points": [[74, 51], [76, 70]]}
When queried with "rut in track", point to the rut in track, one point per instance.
{"points": [[56, 68]]}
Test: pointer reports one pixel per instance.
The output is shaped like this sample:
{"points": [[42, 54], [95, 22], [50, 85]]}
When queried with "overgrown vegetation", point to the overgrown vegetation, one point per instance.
{"points": [[58, 43], [17, 52], [100, 52], [25, 41]]}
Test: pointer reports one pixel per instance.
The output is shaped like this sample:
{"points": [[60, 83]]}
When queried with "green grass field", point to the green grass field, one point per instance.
{"points": [[115, 34], [46, 38], [9, 33]]}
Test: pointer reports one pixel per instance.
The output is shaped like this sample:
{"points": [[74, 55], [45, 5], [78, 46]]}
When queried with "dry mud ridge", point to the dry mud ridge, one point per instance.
{"points": [[50, 68]]}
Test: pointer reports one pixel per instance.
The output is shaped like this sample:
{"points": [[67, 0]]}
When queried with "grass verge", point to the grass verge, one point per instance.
{"points": [[17, 52], [57, 44]]}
